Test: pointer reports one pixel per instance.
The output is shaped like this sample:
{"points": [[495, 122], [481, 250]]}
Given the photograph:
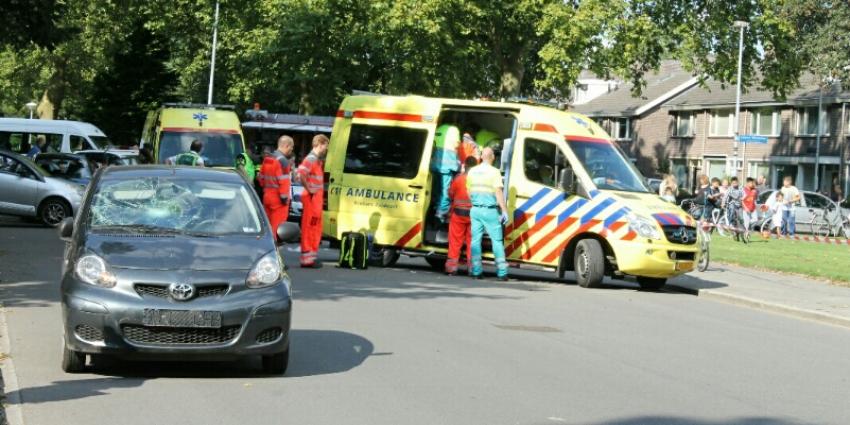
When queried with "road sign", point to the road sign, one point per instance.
{"points": [[749, 138]]}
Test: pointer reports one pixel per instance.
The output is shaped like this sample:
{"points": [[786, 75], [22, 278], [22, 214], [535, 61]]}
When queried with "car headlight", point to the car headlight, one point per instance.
{"points": [[92, 269], [644, 227], [266, 272]]}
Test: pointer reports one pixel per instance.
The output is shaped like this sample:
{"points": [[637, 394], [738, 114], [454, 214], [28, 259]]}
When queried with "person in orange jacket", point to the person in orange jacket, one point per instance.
{"points": [[468, 148], [311, 173], [460, 226], [275, 179]]}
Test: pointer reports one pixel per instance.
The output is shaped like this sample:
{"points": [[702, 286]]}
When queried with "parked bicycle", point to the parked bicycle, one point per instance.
{"points": [[704, 228]]}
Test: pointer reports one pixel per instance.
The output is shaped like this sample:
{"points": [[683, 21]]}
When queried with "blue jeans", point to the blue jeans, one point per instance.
{"points": [[789, 223], [487, 220], [442, 182]]}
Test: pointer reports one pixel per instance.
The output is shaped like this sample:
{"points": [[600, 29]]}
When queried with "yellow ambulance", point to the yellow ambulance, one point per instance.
{"points": [[576, 202], [170, 129]]}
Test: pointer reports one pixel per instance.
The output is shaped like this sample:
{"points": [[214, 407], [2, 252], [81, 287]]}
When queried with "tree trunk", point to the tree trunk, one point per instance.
{"points": [[53, 96]]}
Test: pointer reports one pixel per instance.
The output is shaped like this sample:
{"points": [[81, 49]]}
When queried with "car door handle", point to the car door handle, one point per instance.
{"points": [[415, 186]]}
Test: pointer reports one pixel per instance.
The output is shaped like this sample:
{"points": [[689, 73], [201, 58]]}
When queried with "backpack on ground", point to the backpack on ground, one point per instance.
{"points": [[354, 251]]}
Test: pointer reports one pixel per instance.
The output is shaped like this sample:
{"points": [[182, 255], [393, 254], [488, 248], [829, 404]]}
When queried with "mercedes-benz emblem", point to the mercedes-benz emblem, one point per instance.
{"points": [[181, 291], [685, 237]]}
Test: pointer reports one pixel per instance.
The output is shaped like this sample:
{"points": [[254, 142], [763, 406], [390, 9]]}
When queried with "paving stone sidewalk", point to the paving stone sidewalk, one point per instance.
{"points": [[779, 293]]}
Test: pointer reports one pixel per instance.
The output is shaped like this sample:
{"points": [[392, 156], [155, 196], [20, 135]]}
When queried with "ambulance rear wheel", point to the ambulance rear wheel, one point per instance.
{"points": [[437, 263], [589, 263]]}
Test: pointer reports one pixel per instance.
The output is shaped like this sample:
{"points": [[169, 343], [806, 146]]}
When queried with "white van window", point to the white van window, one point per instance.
{"points": [[542, 162], [384, 151]]}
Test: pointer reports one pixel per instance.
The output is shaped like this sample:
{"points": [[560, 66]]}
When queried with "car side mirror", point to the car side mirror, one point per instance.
{"points": [[66, 229], [567, 180], [288, 232]]}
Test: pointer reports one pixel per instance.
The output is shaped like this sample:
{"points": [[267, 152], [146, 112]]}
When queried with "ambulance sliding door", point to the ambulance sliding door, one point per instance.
{"points": [[382, 189], [541, 213]]}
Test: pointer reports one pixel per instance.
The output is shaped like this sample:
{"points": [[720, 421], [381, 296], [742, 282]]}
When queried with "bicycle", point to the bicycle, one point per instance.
{"points": [[731, 222], [837, 226]]}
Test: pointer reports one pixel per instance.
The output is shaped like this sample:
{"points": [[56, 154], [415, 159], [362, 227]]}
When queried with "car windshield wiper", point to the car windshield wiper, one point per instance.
{"points": [[140, 228]]}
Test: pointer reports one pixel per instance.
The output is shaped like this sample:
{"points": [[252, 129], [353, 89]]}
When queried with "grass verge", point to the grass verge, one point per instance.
{"points": [[818, 260]]}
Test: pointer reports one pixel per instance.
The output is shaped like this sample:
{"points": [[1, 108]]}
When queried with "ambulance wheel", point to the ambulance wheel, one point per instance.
{"points": [[436, 263], [651, 283], [589, 263]]}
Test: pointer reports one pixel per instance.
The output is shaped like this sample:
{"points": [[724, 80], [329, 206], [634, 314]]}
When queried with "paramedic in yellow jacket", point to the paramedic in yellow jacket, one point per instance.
{"points": [[488, 212], [444, 165]]}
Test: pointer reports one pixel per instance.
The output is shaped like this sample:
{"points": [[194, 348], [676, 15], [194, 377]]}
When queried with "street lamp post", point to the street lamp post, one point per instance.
{"points": [[31, 106], [212, 59], [741, 25], [818, 136]]}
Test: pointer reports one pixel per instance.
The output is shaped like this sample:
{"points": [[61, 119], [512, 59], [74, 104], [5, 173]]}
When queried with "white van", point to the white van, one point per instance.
{"points": [[19, 134]]}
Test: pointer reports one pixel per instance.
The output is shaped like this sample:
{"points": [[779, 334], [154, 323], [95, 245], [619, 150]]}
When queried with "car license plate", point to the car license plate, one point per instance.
{"points": [[181, 318], [684, 266]]}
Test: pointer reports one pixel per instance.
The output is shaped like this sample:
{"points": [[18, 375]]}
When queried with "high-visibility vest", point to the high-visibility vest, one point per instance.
{"points": [[187, 158], [275, 174], [483, 181], [461, 203], [312, 173], [484, 137], [444, 158]]}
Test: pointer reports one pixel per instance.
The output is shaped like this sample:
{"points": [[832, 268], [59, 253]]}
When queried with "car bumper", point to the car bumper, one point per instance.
{"points": [[111, 321], [653, 258]]}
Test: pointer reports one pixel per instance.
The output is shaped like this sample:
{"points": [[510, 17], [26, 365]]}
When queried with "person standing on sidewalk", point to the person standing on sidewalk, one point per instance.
{"points": [[311, 173], [791, 197], [460, 229], [485, 185], [275, 179]]}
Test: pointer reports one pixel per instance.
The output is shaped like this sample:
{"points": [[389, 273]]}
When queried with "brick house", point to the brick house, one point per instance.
{"points": [[702, 135], [685, 129]]}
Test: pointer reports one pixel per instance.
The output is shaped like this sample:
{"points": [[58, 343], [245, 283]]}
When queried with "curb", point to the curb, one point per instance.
{"points": [[12, 404], [783, 309]]}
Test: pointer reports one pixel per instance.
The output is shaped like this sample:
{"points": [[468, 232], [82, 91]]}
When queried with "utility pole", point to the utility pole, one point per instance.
{"points": [[817, 138], [741, 25], [212, 61]]}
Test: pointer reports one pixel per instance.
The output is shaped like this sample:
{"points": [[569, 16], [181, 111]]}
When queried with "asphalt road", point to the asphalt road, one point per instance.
{"points": [[409, 346]]}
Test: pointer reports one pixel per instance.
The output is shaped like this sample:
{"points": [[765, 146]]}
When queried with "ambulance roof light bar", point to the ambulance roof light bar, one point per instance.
{"points": [[188, 105]]}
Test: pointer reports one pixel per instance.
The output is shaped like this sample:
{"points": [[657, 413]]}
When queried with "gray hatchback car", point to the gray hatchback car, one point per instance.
{"points": [[28, 190], [174, 263]]}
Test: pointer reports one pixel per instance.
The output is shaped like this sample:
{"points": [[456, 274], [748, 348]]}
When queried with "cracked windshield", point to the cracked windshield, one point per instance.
{"points": [[174, 206]]}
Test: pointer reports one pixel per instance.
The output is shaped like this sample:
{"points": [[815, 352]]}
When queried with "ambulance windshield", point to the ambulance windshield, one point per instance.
{"points": [[219, 149], [607, 165]]}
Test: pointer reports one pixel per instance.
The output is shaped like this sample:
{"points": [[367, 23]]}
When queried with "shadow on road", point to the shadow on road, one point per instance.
{"points": [[674, 420], [20, 222], [71, 390], [313, 352]]}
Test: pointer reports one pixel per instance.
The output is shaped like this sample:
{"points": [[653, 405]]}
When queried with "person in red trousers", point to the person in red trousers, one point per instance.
{"points": [[275, 178], [311, 173], [459, 224]]}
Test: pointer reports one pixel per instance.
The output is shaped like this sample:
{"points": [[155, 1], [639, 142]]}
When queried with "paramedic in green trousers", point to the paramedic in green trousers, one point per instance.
{"points": [[488, 213]]}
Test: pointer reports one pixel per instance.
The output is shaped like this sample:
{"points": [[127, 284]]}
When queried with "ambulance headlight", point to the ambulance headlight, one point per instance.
{"points": [[644, 227]]}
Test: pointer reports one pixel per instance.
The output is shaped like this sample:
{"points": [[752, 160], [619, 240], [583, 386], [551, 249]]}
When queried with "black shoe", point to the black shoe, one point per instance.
{"points": [[502, 278], [476, 276], [451, 273], [312, 266]]}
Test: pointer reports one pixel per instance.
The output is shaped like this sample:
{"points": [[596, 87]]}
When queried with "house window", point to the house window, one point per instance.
{"points": [[722, 123], [685, 124], [807, 125], [755, 169], [765, 122], [623, 128]]}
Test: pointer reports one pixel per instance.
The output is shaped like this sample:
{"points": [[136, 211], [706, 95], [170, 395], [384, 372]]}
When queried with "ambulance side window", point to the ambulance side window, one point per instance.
{"points": [[542, 162], [384, 151]]}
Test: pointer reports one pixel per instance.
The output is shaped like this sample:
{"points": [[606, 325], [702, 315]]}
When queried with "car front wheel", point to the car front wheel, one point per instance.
{"points": [[276, 364], [53, 211], [72, 361]]}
